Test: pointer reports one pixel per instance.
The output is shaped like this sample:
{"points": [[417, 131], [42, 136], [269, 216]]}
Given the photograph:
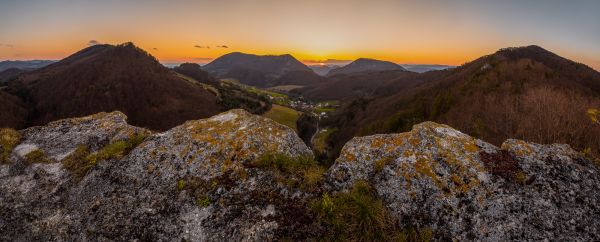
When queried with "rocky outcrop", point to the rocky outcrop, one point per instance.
{"points": [[188, 183], [200, 182], [465, 189]]}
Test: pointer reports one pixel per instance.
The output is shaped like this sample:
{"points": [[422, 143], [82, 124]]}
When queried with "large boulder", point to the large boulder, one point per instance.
{"points": [[192, 182], [35, 196], [462, 188]]}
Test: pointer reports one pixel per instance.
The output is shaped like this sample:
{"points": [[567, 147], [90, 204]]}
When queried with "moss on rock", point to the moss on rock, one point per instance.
{"points": [[9, 138]]}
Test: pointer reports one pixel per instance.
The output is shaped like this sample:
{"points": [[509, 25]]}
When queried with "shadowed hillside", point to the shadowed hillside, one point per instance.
{"points": [[526, 93], [106, 78], [193, 70], [13, 112], [366, 84], [229, 96]]}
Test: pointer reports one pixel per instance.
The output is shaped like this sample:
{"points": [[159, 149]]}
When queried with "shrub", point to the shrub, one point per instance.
{"points": [[304, 168], [36, 156], [9, 138]]}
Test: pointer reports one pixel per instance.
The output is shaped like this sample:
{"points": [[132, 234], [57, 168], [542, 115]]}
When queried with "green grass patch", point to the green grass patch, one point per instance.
{"points": [[9, 138], [277, 98], [354, 216], [283, 115], [203, 201], [324, 110], [36, 156], [303, 172], [358, 215], [81, 160]]}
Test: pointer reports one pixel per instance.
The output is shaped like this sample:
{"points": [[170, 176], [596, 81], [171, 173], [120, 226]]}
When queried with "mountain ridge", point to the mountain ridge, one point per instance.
{"points": [[255, 70], [366, 64], [108, 78]]}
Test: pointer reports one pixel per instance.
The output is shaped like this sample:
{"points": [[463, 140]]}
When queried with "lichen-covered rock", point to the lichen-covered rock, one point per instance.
{"points": [[85, 179], [59, 138], [190, 183], [34, 198], [465, 189]]}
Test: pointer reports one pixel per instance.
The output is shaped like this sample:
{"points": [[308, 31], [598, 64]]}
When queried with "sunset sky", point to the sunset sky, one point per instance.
{"points": [[439, 32]]}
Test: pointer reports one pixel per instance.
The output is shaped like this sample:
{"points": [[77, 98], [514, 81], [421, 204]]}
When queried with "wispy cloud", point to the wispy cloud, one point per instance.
{"points": [[6, 45], [93, 42], [222, 46], [202, 46]]}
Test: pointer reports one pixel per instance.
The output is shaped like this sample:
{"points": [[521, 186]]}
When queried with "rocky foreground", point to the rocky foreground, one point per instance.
{"points": [[240, 177]]}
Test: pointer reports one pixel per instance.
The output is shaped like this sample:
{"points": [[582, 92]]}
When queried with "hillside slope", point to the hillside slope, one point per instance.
{"points": [[107, 78], [526, 93], [366, 84], [13, 112]]}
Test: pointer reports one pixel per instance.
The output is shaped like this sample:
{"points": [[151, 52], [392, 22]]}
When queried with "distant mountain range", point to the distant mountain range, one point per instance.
{"points": [[365, 64], [420, 68], [323, 70], [24, 65]]}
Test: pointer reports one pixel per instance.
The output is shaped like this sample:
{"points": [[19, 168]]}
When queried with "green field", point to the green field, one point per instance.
{"points": [[328, 106], [324, 110], [283, 115], [277, 98]]}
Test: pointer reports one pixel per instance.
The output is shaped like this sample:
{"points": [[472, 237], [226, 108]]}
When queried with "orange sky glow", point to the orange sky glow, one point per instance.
{"points": [[418, 32]]}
